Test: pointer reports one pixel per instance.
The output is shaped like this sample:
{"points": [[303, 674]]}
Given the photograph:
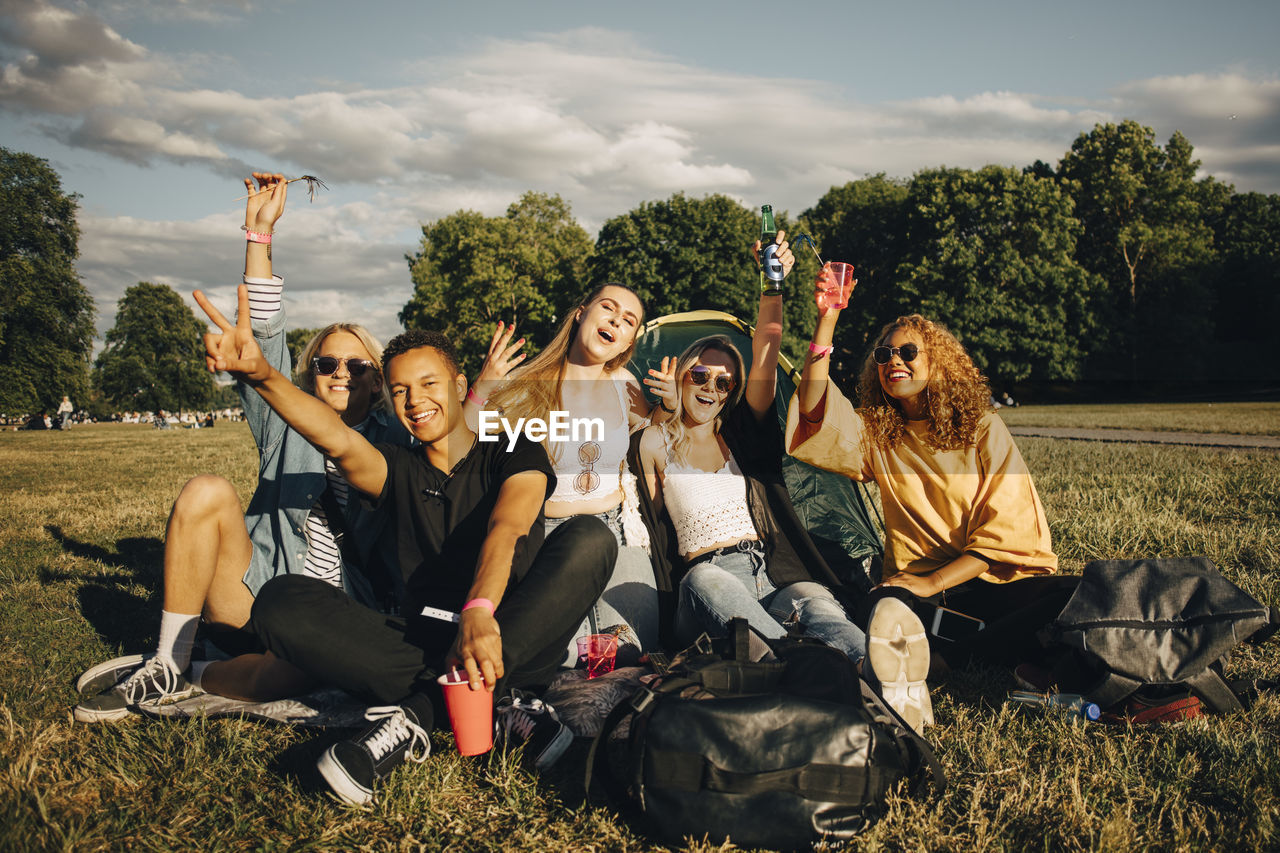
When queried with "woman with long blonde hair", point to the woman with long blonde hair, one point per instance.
{"points": [[583, 373]]}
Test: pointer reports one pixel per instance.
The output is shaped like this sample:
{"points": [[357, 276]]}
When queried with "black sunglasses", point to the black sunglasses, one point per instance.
{"points": [[701, 375], [327, 365], [907, 351]]}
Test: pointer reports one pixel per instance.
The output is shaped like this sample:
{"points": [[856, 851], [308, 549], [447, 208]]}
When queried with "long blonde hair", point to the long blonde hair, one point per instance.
{"points": [[956, 395], [533, 389], [676, 432], [306, 377]]}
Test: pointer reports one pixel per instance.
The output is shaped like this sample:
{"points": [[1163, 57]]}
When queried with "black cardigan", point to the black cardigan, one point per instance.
{"points": [[791, 556]]}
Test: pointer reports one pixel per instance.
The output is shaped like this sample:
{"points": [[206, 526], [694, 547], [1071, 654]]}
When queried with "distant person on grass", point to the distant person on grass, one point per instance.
{"points": [[962, 517], [216, 556], [468, 524]]}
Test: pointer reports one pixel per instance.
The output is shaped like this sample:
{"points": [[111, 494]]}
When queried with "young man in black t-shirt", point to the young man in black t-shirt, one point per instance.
{"points": [[468, 522]]}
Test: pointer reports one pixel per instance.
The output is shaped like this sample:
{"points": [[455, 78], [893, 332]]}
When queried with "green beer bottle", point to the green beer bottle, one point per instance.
{"points": [[770, 267]]}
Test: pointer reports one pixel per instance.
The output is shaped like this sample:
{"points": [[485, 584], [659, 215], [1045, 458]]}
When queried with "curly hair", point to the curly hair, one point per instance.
{"points": [[956, 395], [415, 338]]}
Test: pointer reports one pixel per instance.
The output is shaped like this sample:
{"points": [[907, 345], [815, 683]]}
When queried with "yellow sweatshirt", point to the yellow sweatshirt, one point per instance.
{"points": [[937, 504]]}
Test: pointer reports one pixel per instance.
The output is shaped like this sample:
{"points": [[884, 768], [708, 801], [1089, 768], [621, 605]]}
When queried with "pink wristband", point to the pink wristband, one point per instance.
{"points": [[475, 398], [821, 351], [479, 602], [257, 236]]}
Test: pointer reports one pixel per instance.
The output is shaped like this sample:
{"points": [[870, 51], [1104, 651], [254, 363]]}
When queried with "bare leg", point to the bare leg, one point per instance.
{"points": [[256, 678], [206, 553]]}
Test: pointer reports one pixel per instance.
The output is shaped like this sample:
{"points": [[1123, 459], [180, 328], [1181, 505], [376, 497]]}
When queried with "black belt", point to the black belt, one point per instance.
{"points": [[743, 546]]}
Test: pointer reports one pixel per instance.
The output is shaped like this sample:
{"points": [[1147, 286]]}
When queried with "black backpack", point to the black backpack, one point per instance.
{"points": [[776, 753], [1158, 626]]}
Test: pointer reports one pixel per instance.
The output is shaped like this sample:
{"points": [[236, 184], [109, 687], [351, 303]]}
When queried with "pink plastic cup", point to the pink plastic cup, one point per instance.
{"points": [[600, 651], [837, 286], [470, 713]]}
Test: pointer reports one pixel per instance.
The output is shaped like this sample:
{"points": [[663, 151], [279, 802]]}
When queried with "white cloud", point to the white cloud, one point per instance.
{"points": [[590, 114]]}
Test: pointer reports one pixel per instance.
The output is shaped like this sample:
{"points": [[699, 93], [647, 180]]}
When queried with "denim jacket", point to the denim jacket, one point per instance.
{"points": [[290, 479]]}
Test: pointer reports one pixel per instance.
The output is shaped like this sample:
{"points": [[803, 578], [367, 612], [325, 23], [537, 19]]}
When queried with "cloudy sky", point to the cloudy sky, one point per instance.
{"points": [[153, 110]]}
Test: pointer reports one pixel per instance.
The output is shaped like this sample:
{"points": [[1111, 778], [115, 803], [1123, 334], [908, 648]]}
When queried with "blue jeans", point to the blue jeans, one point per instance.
{"points": [[737, 585], [631, 597]]}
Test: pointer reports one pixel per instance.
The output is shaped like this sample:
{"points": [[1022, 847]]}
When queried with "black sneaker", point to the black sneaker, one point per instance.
{"points": [[154, 681], [525, 721], [353, 767]]}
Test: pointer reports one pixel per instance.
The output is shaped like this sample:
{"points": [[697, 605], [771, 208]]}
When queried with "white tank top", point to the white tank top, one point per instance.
{"points": [[707, 507], [588, 470]]}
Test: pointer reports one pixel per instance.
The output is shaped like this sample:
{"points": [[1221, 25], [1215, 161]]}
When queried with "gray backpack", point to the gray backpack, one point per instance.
{"points": [[1162, 624]]}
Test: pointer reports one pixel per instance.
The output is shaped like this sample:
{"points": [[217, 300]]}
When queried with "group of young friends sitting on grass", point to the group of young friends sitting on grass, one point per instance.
{"points": [[386, 543]]}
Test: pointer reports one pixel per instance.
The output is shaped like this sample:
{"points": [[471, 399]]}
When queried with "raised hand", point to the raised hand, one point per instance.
{"points": [[265, 204], [500, 360], [826, 290], [233, 347], [663, 382], [784, 253]]}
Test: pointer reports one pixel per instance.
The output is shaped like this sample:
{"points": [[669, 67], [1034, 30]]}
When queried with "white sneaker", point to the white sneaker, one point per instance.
{"points": [[898, 661]]}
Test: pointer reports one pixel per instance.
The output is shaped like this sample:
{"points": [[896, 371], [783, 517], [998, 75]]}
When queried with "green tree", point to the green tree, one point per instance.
{"points": [[991, 255], [1146, 234], [46, 314], [684, 254], [863, 223], [529, 266], [296, 340], [1247, 284], [154, 357]]}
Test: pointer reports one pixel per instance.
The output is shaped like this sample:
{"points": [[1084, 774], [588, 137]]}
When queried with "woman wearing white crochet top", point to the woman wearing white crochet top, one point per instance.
{"points": [[714, 472]]}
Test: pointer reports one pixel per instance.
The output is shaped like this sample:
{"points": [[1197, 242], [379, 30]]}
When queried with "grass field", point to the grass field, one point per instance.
{"points": [[1242, 418], [82, 517]]}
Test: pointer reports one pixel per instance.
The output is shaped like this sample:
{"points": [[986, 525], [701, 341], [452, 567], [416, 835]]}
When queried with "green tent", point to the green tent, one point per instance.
{"points": [[832, 507]]}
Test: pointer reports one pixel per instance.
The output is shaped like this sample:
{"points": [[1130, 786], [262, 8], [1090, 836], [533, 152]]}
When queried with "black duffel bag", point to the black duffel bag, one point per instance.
{"points": [[774, 753]]}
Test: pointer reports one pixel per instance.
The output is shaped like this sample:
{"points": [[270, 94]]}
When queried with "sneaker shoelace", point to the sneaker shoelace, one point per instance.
{"points": [[520, 717], [395, 728], [154, 674]]}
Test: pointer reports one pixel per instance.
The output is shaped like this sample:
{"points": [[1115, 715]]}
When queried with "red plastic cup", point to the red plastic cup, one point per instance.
{"points": [[837, 286], [470, 713], [600, 651]]}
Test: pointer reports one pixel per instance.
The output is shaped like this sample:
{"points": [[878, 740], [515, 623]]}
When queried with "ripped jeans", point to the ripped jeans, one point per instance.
{"points": [[737, 585]]}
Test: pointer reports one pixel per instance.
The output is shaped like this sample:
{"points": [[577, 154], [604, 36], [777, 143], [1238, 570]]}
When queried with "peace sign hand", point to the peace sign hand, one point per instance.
{"points": [[233, 348]]}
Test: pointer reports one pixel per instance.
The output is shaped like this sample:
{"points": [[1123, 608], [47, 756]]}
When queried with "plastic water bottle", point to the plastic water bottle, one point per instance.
{"points": [[1072, 704]]}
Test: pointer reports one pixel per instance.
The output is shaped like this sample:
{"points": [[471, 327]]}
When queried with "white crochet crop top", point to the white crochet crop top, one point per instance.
{"points": [[587, 470], [707, 507]]}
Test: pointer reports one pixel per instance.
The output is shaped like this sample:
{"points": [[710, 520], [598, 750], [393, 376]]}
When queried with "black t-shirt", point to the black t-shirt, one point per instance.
{"points": [[441, 520]]}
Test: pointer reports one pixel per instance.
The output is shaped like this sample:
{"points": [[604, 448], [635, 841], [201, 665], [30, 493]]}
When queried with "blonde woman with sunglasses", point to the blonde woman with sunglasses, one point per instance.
{"points": [[961, 513], [299, 521], [714, 481]]}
